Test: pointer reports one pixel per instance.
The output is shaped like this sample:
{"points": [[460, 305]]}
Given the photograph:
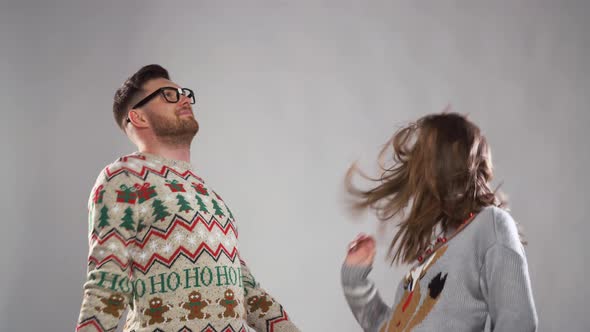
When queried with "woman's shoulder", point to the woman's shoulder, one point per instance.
{"points": [[499, 227]]}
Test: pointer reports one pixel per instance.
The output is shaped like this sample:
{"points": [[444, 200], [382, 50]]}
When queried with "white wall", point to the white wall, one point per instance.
{"points": [[289, 93]]}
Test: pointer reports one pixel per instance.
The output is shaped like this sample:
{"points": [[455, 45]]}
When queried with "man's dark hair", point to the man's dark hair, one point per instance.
{"points": [[131, 88]]}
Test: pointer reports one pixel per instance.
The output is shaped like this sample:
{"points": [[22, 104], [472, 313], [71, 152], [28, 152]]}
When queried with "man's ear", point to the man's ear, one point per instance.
{"points": [[137, 119]]}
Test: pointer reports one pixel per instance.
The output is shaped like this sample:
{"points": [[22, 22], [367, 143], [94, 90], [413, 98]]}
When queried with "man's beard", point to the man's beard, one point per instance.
{"points": [[177, 131]]}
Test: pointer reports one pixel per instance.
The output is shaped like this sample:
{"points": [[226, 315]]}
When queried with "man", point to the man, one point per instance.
{"points": [[162, 242]]}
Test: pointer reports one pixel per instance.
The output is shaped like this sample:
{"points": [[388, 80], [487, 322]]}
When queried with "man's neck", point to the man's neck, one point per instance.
{"points": [[176, 153]]}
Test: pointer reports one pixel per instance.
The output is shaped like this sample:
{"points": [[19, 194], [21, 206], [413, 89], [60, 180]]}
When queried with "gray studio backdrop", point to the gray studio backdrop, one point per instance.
{"points": [[289, 94]]}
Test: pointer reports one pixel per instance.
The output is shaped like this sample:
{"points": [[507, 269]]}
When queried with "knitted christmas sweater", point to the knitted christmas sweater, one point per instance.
{"points": [[481, 272], [164, 244]]}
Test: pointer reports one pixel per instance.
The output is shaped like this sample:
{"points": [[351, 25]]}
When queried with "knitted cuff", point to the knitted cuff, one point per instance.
{"points": [[353, 275]]}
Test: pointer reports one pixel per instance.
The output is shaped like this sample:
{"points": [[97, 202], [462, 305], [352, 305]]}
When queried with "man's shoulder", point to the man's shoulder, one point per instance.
{"points": [[133, 163], [119, 169]]}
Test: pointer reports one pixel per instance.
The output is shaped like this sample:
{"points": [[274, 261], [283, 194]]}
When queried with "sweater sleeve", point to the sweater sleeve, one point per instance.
{"points": [[112, 221], [263, 312], [363, 298], [506, 281]]}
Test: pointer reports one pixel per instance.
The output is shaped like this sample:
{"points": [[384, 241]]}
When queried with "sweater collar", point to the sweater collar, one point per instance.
{"points": [[174, 163]]}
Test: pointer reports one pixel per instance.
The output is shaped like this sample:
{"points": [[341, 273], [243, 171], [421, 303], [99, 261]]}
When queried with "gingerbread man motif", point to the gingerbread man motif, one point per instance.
{"points": [[156, 312], [229, 302], [261, 303], [114, 304], [195, 306]]}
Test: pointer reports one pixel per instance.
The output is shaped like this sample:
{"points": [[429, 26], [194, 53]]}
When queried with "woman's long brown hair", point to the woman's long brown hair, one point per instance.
{"points": [[441, 172]]}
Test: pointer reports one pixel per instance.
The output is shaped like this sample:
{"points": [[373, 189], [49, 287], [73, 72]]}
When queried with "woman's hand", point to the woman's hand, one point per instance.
{"points": [[361, 251]]}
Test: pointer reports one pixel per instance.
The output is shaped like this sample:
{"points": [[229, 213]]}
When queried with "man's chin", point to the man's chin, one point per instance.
{"points": [[189, 121], [181, 134], [193, 126], [184, 127]]}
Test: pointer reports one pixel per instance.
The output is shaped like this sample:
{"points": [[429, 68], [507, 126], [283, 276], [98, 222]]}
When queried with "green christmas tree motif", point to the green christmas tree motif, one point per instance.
{"points": [[104, 217], [160, 210], [128, 223], [184, 205], [217, 208], [202, 206], [140, 226]]}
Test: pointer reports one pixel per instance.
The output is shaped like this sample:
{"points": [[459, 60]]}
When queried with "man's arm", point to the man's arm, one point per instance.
{"points": [[112, 223], [263, 312]]}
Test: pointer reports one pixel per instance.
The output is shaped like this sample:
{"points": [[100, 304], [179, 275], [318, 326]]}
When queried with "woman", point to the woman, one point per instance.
{"points": [[467, 256]]}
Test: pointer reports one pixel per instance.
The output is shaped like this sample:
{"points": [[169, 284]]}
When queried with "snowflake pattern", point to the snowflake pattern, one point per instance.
{"points": [[167, 248], [192, 240], [178, 238], [201, 233], [143, 257], [154, 246], [133, 165]]}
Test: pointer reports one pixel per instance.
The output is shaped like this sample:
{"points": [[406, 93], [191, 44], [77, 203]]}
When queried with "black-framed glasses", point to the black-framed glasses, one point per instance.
{"points": [[171, 94]]}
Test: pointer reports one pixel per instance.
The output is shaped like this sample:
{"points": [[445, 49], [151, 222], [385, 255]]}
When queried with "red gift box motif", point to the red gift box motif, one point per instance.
{"points": [[126, 195], [175, 186], [145, 192], [98, 194], [200, 189]]}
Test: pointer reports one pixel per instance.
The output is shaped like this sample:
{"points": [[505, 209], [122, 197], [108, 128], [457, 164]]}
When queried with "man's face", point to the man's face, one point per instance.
{"points": [[172, 122]]}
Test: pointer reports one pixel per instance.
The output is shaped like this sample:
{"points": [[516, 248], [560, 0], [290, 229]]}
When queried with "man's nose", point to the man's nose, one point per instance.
{"points": [[184, 100]]}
